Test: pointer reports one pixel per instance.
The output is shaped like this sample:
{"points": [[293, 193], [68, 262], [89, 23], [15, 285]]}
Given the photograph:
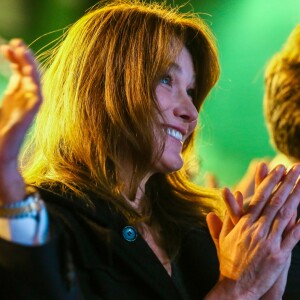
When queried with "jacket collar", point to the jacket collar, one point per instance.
{"points": [[136, 255]]}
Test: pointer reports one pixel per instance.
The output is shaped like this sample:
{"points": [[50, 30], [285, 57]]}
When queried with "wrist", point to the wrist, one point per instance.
{"points": [[12, 191], [228, 289], [12, 185]]}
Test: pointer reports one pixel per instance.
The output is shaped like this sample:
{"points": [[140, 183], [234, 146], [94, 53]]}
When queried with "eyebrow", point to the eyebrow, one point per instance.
{"points": [[176, 67]]}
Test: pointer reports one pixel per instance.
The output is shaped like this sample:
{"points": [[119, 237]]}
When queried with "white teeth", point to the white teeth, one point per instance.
{"points": [[175, 134]]}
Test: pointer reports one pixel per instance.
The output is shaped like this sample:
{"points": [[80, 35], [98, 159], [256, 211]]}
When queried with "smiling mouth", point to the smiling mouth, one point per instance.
{"points": [[175, 134]]}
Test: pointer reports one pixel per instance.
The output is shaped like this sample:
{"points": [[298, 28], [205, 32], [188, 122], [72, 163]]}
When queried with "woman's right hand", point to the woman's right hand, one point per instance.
{"points": [[20, 103], [254, 253]]}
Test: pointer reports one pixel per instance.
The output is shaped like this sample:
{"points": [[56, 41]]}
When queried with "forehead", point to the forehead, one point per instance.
{"points": [[184, 65]]}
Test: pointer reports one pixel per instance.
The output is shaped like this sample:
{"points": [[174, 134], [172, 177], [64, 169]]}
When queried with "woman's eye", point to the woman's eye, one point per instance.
{"points": [[166, 80]]}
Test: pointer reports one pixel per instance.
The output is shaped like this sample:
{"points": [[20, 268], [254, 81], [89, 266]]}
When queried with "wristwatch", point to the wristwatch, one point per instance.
{"points": [[30, 206]]}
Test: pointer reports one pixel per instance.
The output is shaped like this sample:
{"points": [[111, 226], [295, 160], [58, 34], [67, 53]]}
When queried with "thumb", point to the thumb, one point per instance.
{"points": [[214, 226]]}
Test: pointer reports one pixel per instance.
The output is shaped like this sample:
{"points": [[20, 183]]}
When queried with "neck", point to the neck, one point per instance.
{"points": [[140, 192]]}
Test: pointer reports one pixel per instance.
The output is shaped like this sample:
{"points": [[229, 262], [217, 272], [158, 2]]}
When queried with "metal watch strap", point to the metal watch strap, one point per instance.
{"points": [[29, 207]]}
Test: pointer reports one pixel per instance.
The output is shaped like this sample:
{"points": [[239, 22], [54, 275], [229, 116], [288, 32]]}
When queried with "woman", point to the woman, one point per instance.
{"points": [[121, 94]]}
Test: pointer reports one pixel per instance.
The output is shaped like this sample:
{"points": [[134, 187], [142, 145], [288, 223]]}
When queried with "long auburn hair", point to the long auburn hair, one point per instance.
{"points": [[99, 111]]}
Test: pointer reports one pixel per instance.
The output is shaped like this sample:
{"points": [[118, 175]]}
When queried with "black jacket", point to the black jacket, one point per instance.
{"points": [[88, 258]]}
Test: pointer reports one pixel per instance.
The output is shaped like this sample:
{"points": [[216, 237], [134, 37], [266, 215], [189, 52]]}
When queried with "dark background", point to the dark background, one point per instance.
{"points": [[248, 33]]}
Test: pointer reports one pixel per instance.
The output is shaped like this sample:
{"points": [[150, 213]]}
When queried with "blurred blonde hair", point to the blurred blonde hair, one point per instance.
{"points": [[282, 97]]}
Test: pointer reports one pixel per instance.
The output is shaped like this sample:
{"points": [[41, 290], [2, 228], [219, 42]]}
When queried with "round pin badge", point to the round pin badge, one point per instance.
{"points": [[129, 233]]}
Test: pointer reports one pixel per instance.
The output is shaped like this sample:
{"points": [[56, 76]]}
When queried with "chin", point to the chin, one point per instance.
{"points": [[169, 162], [170, 167]]}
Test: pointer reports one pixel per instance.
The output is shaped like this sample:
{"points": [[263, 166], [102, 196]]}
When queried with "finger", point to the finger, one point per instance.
{"points": [[21, 58], [28, 66], [10, 54], [286, 214], [214, 226], [24, 60], [261, 173], [13, 84], [283, 195], [263, 192], [291, 238], [235, 210], [239, 199], [31, 67], [211, 181], [20, 87], [292, 222], [16, 42], [227, 226], [26, 74]]}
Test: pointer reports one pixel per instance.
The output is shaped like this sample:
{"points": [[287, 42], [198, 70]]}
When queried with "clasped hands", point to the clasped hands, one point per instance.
{"points": [[254, 245]]}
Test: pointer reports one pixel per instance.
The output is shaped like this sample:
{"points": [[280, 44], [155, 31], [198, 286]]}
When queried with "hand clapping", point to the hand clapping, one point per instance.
{"points": [[254, 250], [20, 103]]}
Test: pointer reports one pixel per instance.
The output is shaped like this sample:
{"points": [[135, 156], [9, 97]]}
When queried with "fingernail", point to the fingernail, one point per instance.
{"points": [[279, 168]]}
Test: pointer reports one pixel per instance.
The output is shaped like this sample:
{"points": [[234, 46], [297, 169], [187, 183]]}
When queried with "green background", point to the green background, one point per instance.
{"points": [[248, 33]]}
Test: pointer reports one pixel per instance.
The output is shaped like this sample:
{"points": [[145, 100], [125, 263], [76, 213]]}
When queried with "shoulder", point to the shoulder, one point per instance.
{"points": [[61, 201]]}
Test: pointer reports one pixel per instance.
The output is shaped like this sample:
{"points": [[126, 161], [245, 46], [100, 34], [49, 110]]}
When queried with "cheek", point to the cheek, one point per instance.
{"points": [[192, 127], [163, 98]]}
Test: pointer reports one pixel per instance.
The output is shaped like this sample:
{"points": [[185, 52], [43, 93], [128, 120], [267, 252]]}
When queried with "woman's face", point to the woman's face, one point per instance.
{"points": [[178, 119]]}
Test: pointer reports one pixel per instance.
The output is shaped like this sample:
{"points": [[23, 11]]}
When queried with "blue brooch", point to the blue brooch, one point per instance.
{"points": [[129, 233]]}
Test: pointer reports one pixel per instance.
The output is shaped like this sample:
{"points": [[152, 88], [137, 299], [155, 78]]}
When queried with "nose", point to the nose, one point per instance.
{"points": [[186, 110]]}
